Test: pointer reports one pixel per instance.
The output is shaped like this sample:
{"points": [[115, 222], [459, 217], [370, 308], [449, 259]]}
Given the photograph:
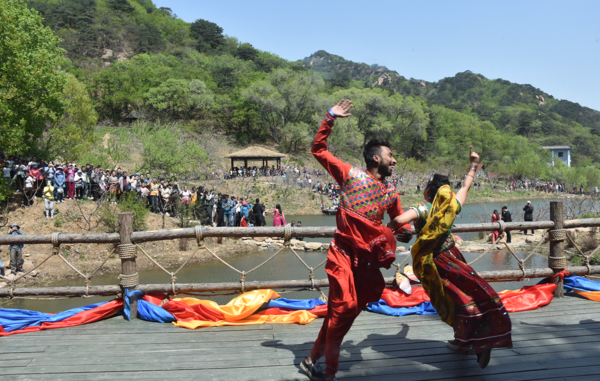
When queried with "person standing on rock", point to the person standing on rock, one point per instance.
{"points": [[361, 245], [49, 200], [16, 251], [528, 209], [506, 217]]}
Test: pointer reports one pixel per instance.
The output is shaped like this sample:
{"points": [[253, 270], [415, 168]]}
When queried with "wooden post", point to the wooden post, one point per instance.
{"points": [[556, 246], [128, 265], [232, 164]]}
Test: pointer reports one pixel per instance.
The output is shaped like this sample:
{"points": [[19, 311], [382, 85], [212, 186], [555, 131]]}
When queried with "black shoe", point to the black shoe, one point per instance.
{"points": [[313, 370], [483, 358]]}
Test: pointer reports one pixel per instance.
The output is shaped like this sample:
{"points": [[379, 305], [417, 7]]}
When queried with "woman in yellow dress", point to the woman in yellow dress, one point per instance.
{"points": [[463, 300]]}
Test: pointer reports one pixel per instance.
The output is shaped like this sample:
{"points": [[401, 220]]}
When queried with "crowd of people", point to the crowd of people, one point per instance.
{"points": [[59, 182]]}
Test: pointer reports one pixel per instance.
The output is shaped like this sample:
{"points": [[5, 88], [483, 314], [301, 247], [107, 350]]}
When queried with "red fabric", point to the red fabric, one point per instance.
{"points": [[397, 298], [320, 311], [155, 298], [85, 317], [184, 312], [528, 298]]}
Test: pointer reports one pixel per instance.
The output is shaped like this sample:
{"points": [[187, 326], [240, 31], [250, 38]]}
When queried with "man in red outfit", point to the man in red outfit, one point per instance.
{"points": [[361, 245]]}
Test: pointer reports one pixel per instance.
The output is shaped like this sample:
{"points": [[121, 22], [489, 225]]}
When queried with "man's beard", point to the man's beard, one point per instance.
{"points": [[384, 169]]}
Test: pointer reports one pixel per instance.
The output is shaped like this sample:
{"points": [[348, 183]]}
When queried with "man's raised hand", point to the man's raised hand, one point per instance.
{"points": [[473, 156], [341, 109]]}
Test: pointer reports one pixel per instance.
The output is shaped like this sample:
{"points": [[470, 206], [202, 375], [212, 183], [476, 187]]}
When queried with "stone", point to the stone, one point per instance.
{"points": [[249, 243], [34, 273], [260, 239], [263, 244], [530, 240], [301, 244], [294, 241], [27, 265], [313, 245], [107, 53], [277, 244], [299, 248], [325, 246], [401, 248], [3, 284], [26, 255], [246, 238], [268, 240]]}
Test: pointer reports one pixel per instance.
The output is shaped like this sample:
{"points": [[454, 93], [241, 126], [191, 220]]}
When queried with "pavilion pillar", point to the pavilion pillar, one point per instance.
{"points": [[246, 165], [232, 164]]}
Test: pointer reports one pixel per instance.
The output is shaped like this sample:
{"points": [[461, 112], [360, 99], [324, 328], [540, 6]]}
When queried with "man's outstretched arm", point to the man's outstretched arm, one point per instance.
{"points": [[336, 168]]}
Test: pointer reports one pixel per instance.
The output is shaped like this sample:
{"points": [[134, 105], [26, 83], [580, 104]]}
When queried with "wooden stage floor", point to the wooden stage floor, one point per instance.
{"points": [[558, 342]]}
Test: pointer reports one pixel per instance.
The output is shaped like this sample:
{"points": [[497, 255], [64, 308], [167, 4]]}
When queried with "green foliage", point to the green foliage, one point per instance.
{"points": [[31, 77], [208, 35], [109, 213], [73, 135], [178, 98], [166, 150]]}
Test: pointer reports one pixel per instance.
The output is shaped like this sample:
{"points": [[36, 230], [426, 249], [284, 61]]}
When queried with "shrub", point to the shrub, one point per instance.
{"points": [[109, 214]]}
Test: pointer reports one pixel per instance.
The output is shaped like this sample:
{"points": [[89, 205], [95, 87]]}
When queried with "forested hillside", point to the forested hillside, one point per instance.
{"points": [[193, 78]]}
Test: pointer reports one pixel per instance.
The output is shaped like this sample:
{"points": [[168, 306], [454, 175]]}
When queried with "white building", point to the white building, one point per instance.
{"points": [[562, 153]]}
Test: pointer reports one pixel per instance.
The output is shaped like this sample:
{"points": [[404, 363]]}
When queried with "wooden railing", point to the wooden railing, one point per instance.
{"points": [[126, 238]]}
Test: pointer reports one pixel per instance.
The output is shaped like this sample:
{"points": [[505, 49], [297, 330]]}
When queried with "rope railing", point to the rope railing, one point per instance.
{"points": [[129, 245]]}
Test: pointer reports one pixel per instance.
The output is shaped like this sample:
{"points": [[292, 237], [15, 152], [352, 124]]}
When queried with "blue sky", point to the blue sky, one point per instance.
{"points": [[552, 45]]}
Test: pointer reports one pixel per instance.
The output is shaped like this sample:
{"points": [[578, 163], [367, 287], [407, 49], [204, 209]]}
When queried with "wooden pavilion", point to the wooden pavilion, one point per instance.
{"points": [[256, 154]]}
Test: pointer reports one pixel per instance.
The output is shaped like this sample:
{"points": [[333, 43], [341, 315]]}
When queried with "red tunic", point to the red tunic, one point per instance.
{"points": [[362, 244], [363, 200]]}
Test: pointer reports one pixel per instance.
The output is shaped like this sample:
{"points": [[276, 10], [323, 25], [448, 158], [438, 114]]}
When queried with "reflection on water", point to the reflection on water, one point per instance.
{"points": [[287, 266]]}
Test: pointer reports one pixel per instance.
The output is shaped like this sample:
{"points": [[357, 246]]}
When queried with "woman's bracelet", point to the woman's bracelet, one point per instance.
{"points": [[473, 167]]}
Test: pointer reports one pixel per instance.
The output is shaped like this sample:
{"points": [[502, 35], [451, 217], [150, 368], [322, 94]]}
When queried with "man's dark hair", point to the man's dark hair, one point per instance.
{"points": [[373, 147], [436, 182], [505, 207], [257, 201]]}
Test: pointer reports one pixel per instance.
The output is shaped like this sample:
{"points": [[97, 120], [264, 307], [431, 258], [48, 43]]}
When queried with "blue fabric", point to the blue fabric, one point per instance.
{"points": [[381, 307], [146, 310], [150, 312], [15, 319], [295, 304], [580, 283]]}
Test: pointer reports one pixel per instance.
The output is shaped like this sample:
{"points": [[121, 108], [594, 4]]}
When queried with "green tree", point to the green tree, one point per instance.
{"points": [[166, 150], [208, 35], [179, 98], [285, 99], [31, 77], [73, 134], [121, 6]]}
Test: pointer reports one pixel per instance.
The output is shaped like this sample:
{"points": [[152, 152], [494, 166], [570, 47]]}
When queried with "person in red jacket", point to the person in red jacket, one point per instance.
{"points": [[361, 244]]}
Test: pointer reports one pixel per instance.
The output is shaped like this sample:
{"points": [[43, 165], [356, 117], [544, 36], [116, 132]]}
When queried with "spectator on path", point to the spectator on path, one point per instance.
{"points": [[70, 175], [49, 200], [59, 184], [87, 187], [29, 194], [16, 251], [80, 180], [506, 217], [278, 216], [38, 178], [185, 196], [495, 218], [228, 210], [2, 270], [259, 213], [221, 209], [528, 209], [154, 196]]}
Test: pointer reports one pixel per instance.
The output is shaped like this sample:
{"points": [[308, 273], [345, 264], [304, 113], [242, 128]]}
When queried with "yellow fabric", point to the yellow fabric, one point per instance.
{"points": [[194, 198], [441, 217], [240, 310], [49, 192], [591, 295]]}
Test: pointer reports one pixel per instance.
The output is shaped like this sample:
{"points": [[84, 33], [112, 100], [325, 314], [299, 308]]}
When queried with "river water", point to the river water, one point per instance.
{"points": [[287, 266]]}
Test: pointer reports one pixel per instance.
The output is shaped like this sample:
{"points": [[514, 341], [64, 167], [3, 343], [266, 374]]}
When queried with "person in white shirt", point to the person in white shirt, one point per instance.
{"points": [[80, 180], [185, 195], [29, 193]]}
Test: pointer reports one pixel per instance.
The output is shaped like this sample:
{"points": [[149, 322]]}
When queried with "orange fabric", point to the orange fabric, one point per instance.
{"points": [[528, 298], [194, 313], [591, 295]]}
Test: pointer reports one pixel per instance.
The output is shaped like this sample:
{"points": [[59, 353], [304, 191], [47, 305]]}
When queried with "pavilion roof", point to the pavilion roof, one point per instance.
{"points": [[255, 152]]}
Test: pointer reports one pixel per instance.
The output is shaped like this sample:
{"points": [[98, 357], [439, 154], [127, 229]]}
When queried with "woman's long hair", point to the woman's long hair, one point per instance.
{"points": [[278, 207], [436, 182]]}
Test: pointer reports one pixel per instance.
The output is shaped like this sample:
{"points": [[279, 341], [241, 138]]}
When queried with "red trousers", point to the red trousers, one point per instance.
{"points": [[351, 288]]}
